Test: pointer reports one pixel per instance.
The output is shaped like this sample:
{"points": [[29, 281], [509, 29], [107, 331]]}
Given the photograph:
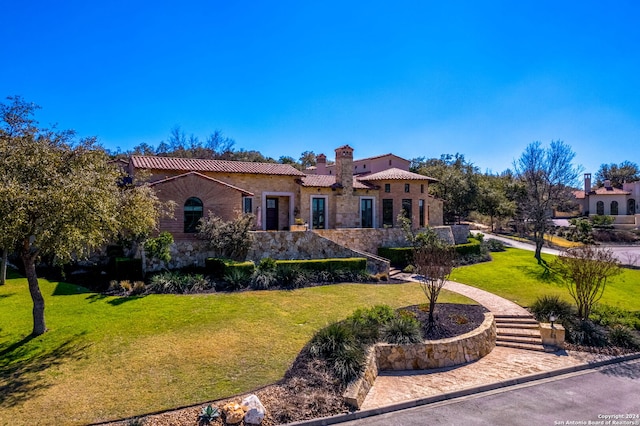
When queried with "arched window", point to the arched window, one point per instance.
{"points": [[631, 206], [614, 208], [600, 208], [192, 214]]}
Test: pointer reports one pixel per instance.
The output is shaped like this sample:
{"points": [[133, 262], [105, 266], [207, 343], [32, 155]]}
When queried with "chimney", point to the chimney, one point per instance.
{"points": [[587, 183], [607, 184], [321, 164], [344, 167]]}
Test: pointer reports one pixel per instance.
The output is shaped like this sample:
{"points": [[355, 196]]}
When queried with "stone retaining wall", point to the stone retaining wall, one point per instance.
{"points": [[429, 354]]}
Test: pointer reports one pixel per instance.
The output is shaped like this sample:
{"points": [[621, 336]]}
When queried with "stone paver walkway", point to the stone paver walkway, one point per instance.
{"points": [[392, 387]]}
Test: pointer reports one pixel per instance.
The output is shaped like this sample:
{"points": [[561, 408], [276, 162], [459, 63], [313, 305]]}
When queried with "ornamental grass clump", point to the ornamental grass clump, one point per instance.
{"points": [[338, 345], [402, 330]]}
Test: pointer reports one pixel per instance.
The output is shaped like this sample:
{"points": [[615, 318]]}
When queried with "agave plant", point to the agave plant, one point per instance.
{"points": [[208, 413]]}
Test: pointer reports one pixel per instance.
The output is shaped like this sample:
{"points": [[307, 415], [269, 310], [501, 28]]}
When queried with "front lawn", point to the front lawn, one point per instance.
{"points": [[110, 357], [515, 275]]}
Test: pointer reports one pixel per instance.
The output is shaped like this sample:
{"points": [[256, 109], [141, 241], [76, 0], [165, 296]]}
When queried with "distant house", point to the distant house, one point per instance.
{"points": [[341, 195], [621, 203]]}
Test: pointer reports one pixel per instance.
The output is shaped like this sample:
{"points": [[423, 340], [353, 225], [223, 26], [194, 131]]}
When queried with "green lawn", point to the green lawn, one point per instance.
{"points": [[515, 275], [109, 357]]}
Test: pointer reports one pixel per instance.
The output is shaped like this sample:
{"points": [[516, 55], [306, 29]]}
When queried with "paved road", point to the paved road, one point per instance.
{"points": [[627, 255], [578, 398]]}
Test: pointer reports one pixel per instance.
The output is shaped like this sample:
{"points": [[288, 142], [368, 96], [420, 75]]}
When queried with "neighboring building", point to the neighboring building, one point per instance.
{"points": [[622, 203], [278, 194]]}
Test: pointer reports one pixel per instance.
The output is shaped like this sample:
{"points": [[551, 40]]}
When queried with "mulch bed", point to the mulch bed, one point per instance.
{"points": [[309, 390]]}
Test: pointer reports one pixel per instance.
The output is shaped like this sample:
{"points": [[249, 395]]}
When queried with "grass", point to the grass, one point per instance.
{"points": [[515, 275], [109, 357], [561, 242]]}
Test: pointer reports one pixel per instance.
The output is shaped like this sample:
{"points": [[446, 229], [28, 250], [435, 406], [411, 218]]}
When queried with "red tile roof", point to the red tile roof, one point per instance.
{"points": [[200, 175], [327, 181], [395, 174], [223, 166], [610, 191]]}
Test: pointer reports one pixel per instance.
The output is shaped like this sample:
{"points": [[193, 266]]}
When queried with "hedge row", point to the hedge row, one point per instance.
{"points": [[403, 256], [217, 267]]}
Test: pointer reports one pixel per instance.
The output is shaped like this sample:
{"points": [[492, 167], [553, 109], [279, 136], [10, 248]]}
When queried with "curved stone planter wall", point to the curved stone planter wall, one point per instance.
{"points": [[429, 354]]}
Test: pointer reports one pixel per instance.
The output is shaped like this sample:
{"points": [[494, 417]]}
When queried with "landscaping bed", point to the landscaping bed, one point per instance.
{"points": [[309, 388]]}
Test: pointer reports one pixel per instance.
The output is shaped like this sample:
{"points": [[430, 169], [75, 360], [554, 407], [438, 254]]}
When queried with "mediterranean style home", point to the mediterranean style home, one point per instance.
{"points": [[621, 203], [366, 193]]}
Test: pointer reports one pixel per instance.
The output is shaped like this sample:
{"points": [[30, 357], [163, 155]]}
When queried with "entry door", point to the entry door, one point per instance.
{"points": [[366, 212], [318, 213], [272, 214]]}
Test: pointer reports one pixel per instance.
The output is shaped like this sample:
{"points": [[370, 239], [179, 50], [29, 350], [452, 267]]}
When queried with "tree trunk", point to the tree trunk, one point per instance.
{"points": [[3, 268], [29, 260]]}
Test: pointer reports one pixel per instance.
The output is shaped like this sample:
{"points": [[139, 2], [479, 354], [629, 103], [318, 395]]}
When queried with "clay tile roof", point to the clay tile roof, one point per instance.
{"points": [[396, 174], [579, 195], [610, 191], [200, 175], [224, 166], [327, 181]]}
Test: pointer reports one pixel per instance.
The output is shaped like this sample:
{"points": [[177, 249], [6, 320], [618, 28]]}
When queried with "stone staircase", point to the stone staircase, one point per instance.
{"points": [[518, 331], [393, 272]]}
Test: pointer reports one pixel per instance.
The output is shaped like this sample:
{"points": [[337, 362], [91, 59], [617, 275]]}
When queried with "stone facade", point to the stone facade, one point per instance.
{"points": [[421, 356]]}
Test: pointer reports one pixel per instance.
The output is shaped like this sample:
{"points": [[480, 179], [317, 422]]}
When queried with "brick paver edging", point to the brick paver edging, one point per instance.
{"points": [[341, 418]]}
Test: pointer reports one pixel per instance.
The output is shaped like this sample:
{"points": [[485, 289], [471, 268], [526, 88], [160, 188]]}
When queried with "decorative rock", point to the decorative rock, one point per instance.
{"points": [[255, 411], [233, 413]]}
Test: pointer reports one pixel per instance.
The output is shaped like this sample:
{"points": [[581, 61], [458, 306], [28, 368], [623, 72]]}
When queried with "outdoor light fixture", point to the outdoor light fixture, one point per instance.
{"points": [[552, 318]]}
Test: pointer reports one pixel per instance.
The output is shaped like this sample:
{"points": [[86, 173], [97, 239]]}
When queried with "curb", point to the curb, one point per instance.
{"points": [[356, 415]]}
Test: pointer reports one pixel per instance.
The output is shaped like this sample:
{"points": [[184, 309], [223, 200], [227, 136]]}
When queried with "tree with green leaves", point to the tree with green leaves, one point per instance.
{"points": [[229, 239], [492, 199], [457, 183], [59, 197], [626, 171], [586, 270], [548, 175]]}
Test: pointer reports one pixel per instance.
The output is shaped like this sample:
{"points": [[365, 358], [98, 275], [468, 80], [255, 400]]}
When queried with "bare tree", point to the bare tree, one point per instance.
{"points": [[586, 270], [548, 174], [434, 261]]}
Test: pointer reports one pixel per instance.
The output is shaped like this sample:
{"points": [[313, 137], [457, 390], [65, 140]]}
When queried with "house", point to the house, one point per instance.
{"points": [[327, 197], [621, 203]]}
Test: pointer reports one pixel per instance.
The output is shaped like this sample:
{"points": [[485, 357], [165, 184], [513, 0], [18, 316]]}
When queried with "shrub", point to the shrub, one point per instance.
{"points": [[398, 256], [235, 279], [585, 332], [494, 245], [608, 316], [125, 285], [264, 276], [139, 287], [473, 247], [366, 322], [177, 283], [267, 264], [548, 304], [334, 338], [291, 276], [348, 364], [208, 413], [218, 267], [623, 337], [402, 330]]}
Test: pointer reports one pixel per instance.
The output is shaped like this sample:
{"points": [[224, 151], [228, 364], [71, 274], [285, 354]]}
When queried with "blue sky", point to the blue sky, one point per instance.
{"points": [[417, 78]]}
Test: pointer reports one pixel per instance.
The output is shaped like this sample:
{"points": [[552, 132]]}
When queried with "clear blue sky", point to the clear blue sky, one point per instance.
{"points": [[419, 78]]}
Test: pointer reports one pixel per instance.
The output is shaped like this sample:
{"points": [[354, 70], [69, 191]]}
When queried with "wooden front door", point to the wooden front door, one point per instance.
{"points": [[272, 214]]}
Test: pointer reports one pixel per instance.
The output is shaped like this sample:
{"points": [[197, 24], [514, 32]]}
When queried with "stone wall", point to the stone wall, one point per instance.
{"points": [[286, 245], [439, 353], [460, 233], [420, 356], [365, 239]]}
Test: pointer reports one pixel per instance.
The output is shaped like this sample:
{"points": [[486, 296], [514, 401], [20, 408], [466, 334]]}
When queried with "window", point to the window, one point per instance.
{"points": [[407, 187], [406, 209], [387, 212], [614, 208], [387, 187], [389, 162], [192, 215], [422, 188], [247, 205], [600, 208], [631, 206], [421, 212]]}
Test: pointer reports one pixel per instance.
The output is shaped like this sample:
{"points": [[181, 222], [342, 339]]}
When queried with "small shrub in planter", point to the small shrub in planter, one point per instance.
{"points": [[402, 330], [585, 333], [235, 279], [495, 245], [366, 322], [338, 345]]}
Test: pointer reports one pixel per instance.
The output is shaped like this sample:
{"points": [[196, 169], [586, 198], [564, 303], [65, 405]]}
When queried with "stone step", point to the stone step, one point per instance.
{"points": [[521, 326], [523, 332], [394, 271], [519, 339], [526, 346], [515, 319]]}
